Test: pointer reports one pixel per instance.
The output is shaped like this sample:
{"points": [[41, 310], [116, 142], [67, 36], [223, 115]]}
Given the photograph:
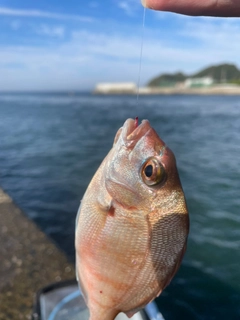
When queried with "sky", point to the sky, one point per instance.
{"points": [[73, 45]]}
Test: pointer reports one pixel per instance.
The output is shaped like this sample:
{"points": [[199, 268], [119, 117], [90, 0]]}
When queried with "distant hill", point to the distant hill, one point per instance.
{"points": [[223, 73]]}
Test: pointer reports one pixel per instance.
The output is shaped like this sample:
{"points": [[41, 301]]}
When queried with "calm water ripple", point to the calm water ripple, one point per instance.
{"points": [[51, 145]]}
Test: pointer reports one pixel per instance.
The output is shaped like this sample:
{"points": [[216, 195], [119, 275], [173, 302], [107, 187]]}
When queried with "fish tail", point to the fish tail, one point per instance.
{"points": [[103, 314]]}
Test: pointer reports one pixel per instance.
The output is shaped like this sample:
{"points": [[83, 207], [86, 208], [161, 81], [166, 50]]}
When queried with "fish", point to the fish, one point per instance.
{"points": [[132, 224]]}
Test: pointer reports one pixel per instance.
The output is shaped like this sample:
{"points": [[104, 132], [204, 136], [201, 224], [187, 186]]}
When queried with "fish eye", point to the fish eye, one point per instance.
{"points": [[153, 172]]}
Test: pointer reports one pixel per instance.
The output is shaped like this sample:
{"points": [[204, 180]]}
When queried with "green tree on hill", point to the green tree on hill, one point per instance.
{"points": [[223, 73]]}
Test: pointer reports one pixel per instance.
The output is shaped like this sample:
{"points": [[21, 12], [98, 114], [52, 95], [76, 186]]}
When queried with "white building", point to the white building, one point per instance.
{"points": [[198, 82]]}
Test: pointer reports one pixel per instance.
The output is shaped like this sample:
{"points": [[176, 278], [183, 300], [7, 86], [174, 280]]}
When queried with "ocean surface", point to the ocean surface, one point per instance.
{"points": [[51, 145]]}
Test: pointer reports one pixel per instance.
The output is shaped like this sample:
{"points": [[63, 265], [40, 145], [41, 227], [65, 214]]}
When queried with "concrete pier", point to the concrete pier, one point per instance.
{"points": [[28, 261]]}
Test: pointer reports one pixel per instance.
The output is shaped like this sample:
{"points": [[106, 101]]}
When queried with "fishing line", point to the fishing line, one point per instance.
{"points": [[141, 54]]}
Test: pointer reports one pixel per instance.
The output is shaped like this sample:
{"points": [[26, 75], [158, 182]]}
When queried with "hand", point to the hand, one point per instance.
{"points": [[218, 8]]}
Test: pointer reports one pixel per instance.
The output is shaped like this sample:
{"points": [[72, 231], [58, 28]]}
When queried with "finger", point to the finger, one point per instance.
{"points": [[220, 8]]}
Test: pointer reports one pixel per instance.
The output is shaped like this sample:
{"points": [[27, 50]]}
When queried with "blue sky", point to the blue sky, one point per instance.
{"points": [[72, 45]]}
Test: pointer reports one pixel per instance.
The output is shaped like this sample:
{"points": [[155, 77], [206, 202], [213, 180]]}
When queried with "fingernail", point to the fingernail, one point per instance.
{"points": [[144, 3]]}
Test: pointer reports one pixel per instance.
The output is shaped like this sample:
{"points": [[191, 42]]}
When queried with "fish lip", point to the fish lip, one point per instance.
{"points": [[132, 133]]}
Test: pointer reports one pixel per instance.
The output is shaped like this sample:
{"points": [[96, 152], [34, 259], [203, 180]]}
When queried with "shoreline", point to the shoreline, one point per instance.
{"points": [[29, 261], [214, 90]]}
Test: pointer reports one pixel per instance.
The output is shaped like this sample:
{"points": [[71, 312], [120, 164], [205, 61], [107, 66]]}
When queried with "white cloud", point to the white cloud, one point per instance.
{"points": [[130, 7], [164, 53], [42, 68], [89, 57], [4, 11], [57, 31], [226, 35], [126, 7]]}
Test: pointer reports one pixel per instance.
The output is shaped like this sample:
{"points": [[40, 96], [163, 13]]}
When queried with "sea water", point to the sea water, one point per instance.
{"points": [[52, 144]]}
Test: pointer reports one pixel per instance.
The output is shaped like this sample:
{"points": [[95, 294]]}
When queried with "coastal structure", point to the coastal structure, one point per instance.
{"points": [[116, 88], [221, 79], [215, 89], [29, 261]]}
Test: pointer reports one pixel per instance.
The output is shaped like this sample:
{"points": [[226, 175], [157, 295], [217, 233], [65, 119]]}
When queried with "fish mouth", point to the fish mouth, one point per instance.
{"points": [[132, 132]]}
